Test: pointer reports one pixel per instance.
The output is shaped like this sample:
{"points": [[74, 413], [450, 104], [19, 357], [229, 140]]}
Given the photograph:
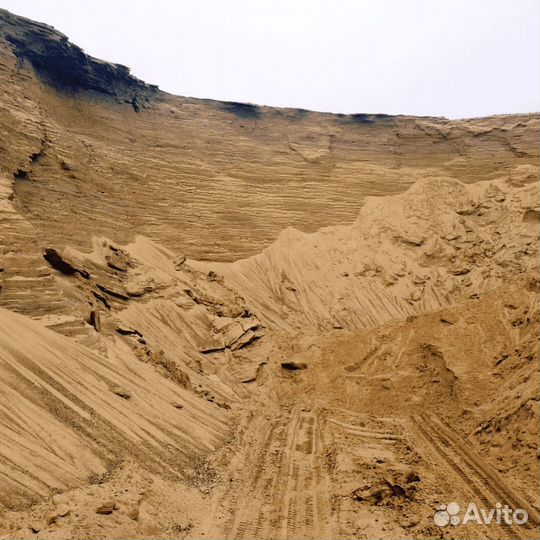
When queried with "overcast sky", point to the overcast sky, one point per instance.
{"points": [[454, 58]]}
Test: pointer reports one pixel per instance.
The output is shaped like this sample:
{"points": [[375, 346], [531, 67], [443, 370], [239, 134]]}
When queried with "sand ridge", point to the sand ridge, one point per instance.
{"points": [[222, 320]]}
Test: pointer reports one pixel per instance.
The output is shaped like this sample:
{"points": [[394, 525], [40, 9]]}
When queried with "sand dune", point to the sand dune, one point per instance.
{"points": [[222, 320]]}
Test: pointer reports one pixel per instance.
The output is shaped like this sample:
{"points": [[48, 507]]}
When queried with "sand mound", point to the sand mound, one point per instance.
{"points": [[220, 320]]}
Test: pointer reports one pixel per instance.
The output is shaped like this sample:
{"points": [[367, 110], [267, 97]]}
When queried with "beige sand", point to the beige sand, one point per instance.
{"points": [[229, 321]]}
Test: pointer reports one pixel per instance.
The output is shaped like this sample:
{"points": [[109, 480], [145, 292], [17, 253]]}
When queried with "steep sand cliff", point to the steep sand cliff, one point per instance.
{"points": [[228, 320]]}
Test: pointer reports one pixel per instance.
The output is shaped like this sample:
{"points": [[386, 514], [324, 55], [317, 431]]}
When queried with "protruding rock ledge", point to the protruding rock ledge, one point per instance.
{"points": [[67, 67]]}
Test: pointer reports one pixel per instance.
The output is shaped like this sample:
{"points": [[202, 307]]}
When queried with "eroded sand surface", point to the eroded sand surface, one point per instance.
{"points": [[229, 321]]}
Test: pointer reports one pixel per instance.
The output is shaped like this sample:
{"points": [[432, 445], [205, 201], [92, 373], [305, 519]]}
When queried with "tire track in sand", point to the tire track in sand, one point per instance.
{"points": [[286, 487], [475, 475]]}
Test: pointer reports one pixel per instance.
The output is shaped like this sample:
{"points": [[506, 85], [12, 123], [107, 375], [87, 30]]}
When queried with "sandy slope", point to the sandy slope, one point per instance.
{"points": [[69, 414], [437, 243], [333, 423], [89, 162], [226, 321]]}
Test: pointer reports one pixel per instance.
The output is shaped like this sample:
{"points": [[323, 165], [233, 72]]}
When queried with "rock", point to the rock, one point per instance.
{"points": [[459, 269], [397, 490], [62, 264], [120, 391], [412, 477], [412, 238], [108, 507], [236, 333], [127, 331], [294, 366], [185, 304], [140, 285], [220, 324], [384, 491], [213, 276], [69, 68], [232, 333], [213, 348], [179, 261], [118, 259], [250, 324], [113, 291], [102, 299], [94, 319], [247, 338], [373, 495]]}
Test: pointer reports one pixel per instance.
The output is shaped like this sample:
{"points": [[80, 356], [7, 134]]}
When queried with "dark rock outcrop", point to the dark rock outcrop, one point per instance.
{"points": [[67, 67], [62, 264]]}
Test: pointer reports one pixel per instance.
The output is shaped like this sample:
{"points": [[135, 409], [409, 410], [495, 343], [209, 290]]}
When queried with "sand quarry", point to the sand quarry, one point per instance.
{"points": [[220, 320]]}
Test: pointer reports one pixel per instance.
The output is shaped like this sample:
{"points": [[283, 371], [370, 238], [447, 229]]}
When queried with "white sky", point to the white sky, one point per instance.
{"points": [[455, 58]]}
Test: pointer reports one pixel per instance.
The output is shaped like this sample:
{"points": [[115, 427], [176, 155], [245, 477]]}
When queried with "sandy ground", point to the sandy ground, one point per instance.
{"points": [[191, 416], [227, 321]]}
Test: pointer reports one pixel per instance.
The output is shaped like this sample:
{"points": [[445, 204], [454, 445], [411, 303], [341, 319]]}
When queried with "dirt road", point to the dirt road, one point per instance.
{"points": [[281, 489]]}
